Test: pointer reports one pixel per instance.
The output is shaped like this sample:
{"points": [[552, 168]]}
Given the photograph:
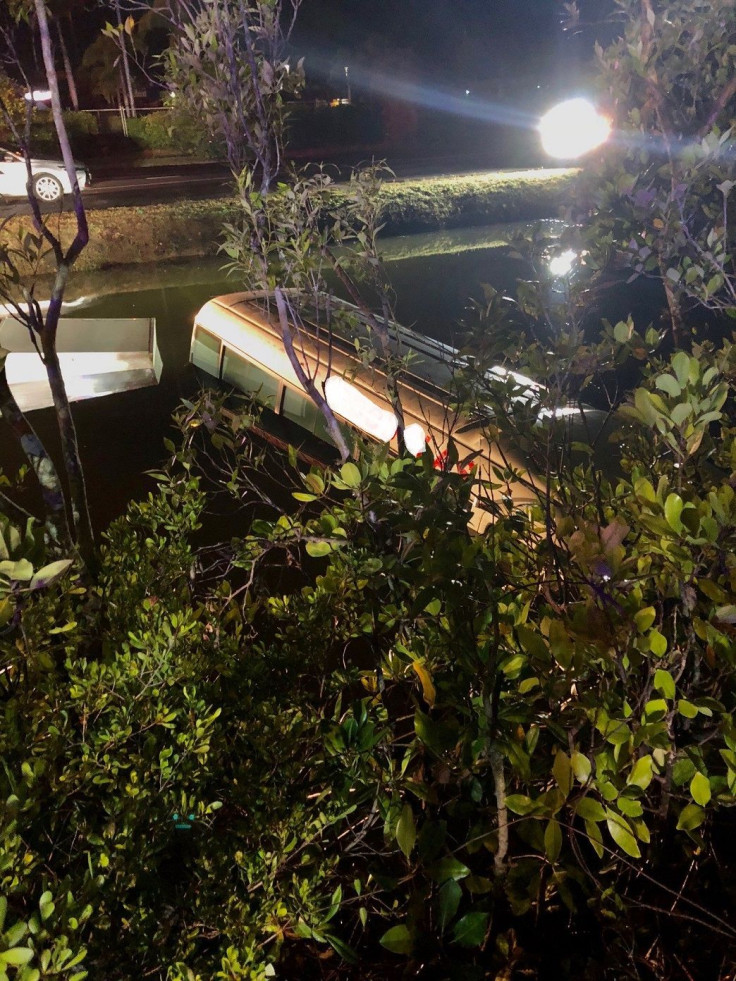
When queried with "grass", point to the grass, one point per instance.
{"points": [[189, 229]]}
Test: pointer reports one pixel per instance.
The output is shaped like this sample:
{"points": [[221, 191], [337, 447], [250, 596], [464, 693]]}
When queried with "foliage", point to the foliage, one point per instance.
{"points": [[359, 729], [229, 67], [357, 739], [63, 535], [11, 98], [661, 193], [172, 130], [100, 67]]}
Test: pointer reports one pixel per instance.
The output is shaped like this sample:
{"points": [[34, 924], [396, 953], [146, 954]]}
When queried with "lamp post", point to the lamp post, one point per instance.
{"points": [[347, 81]]}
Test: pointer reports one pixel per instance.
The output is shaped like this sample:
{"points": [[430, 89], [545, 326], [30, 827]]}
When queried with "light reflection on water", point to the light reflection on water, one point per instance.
{"points": [[122, 435]]}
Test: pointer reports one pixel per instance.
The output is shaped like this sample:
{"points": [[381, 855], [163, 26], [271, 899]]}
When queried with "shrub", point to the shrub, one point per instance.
{"points": [[357, 728], [173, 131]]}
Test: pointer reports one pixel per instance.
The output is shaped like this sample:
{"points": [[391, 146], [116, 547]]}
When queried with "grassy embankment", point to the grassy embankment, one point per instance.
{"points": [[187, 229]]}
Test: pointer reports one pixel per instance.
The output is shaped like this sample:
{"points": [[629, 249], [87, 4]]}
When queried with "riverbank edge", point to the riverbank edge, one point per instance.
{"points": [[193, 229]]}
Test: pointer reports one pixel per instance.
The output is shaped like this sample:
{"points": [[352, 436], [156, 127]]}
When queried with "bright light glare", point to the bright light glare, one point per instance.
{"points": [[572, 129], [358, 409], [37, 95], [561, 265], [415, 439]]}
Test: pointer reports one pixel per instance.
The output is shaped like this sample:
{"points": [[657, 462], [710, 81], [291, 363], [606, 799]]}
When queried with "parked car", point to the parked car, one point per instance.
{"points": [[50, 179]]}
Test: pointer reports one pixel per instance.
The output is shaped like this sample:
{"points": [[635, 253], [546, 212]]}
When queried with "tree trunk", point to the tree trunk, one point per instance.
{"points": [[70, 449], [674, 307], [125, 62], [69, 74], [307, 383], [46, 328], [57, 527]]}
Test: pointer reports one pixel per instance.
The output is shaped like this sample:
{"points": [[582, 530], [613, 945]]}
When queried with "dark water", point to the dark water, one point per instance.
{"points": [[121, 436]]}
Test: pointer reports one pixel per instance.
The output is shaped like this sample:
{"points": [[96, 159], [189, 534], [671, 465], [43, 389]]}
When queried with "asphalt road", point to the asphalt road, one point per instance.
{"points": [[115, 186]]}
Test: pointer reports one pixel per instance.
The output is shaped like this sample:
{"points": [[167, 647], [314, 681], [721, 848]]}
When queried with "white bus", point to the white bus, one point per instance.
{"points": [[237, 340]]}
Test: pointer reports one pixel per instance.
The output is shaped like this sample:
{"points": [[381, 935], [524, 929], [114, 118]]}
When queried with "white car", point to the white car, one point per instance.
{"points": [[50, 179]]}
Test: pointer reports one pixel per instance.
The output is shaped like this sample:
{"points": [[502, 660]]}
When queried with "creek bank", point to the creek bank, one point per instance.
{"points": [[190, 229]]}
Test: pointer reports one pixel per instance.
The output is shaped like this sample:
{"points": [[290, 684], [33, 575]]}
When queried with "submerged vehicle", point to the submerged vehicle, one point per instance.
{"points": [[237, 341]]}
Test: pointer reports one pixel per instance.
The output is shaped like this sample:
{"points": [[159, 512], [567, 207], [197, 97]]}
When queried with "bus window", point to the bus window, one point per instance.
{"points": [[248, 377], [206, 352], [300, 409]]}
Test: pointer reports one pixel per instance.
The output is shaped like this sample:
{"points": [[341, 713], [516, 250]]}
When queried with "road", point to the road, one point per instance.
{"points": [[130, 186]]}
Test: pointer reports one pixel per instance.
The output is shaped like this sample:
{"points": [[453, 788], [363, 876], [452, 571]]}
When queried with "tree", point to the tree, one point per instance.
{"points": [[661, 196], [228, 61], [43, 326]]}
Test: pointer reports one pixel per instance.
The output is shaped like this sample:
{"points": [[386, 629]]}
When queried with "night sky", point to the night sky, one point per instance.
{"points": [[453, 42]]}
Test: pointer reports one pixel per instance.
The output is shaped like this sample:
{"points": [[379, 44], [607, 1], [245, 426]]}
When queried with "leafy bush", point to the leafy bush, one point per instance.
{"points": [[357, 728], [171, 130], [80, 124]]}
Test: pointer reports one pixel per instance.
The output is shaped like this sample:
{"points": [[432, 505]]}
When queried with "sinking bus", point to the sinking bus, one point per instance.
{"points": [[237, 340]]}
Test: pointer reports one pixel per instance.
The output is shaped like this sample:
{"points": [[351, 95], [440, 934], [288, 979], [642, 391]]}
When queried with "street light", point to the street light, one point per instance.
{"points": [[347, 81], [573, 128]]}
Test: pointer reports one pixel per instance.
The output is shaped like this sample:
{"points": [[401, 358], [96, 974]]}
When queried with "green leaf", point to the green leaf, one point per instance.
{"points": [[641, 773], [406, 831], [562, 772], [439, 736], [49, 573], [318, 549], [645, 618], [691, 817], [314, 482], [532, 643], [687, 709], [552, 841], [580, 766], [664, 683], [657, 643], [428, 688], [655, 709], [595, 838], [20, 571], [590, 809], [527, 685], [448, 868], [519, 804], [726, 614], [700, 789], [631, 808], [16, 956], [672, 510], [344, 950], [398, 940], [350, 475], [46, 905], [448, 900], [470, 930], [681, 367], [619, 830], [668, 384]]}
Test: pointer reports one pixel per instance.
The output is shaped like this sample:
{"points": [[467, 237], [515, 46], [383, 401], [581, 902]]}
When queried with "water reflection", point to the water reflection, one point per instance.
{"points": [[122, 435]]}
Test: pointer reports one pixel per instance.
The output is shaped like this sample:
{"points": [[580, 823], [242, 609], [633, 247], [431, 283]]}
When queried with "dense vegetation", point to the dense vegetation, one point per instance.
{"points": [[356, 740]]}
